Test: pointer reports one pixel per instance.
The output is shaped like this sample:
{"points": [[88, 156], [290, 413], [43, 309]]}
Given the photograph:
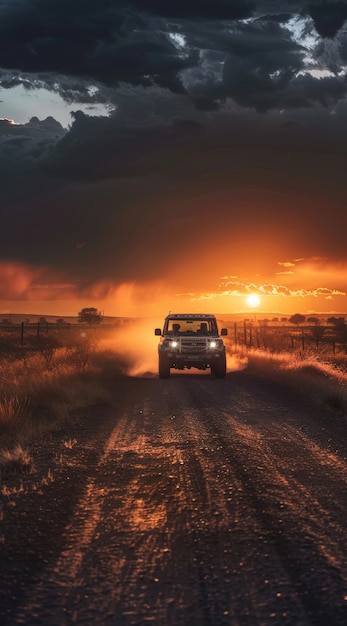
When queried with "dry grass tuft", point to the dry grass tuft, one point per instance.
{"points": [[15, 461], [14, 409]]}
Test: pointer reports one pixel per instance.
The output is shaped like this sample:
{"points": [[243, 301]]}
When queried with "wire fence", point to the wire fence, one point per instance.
{"points": [[286, 338], [25, 334]]}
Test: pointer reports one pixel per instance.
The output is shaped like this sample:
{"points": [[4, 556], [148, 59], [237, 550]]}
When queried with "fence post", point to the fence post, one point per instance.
{"points": [[245, 332], [22, 334], [303, 339]]}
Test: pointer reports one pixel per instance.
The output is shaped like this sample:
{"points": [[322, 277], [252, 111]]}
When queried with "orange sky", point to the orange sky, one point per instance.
{"points": [[298, 285]]}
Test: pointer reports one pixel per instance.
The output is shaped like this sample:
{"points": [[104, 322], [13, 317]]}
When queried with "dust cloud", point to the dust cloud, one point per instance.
{"points": [[236, 362], [136, 345]]}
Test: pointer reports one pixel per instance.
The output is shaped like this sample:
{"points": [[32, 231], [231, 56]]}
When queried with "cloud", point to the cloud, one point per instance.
{"points": [[20, 142], [320, 269], [129, 191], [198, 9], [16, 279], [99, 147], [328, 17], [240, 289], [211, 51], [5, 123], [99, 42]]}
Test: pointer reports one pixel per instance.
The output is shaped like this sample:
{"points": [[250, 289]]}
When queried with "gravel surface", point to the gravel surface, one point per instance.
{"points": [[188, 501]]}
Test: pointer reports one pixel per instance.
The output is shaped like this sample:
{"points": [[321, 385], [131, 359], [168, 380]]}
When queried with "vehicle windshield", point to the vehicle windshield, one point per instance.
{"points": [[204, 327]]}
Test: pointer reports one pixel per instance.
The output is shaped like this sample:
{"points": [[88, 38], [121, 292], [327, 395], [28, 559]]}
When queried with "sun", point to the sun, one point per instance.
{"points": [[253, 300]]}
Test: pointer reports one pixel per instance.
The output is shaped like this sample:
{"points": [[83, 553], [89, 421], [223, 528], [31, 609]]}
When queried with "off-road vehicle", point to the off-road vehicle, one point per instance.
{"points": [[191, 340]]}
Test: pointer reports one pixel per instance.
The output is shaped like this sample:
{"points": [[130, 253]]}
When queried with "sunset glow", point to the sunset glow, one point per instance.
{"points": [[25, 289], [253, 300]]}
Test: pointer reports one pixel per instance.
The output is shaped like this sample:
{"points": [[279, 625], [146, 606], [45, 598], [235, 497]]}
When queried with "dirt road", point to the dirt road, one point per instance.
{"points": [[191, 501]]}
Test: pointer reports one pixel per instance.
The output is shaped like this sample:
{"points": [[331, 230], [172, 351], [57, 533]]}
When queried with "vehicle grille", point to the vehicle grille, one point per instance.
{"points": [[192, 346]]}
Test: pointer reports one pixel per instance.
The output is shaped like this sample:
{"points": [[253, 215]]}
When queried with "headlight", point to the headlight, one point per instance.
{"points": [[215, 344], [174, 344]]}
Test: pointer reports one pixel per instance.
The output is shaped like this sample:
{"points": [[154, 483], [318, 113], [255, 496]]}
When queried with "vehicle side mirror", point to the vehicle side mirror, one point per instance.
{"points": [[224, 331], [157, 331]]}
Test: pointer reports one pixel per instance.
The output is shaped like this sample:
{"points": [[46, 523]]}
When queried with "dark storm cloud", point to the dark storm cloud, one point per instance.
{"points": [[21, 143], [111, 199], [208, 50], [99, 41], [261, 66], [198, 9], [328, 17], [97, 148]]}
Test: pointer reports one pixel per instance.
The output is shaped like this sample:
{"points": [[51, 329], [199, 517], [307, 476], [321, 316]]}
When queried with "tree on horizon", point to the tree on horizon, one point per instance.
{"points": [[89, 315], [297, 319]]}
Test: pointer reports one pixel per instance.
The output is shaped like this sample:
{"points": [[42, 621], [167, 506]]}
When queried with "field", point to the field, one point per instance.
{"points": [[48, 371], [43, 380], [310, 359]]}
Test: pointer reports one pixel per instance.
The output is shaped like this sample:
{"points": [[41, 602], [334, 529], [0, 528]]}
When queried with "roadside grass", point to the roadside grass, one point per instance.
{"points": [[320, 377], [38, 394]]}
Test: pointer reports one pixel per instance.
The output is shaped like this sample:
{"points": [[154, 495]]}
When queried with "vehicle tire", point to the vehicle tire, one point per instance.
{"points": [[164, 367], [219, 368]]}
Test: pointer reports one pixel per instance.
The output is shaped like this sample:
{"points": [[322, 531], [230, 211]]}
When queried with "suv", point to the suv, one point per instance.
{"points": [[191, 340]]}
